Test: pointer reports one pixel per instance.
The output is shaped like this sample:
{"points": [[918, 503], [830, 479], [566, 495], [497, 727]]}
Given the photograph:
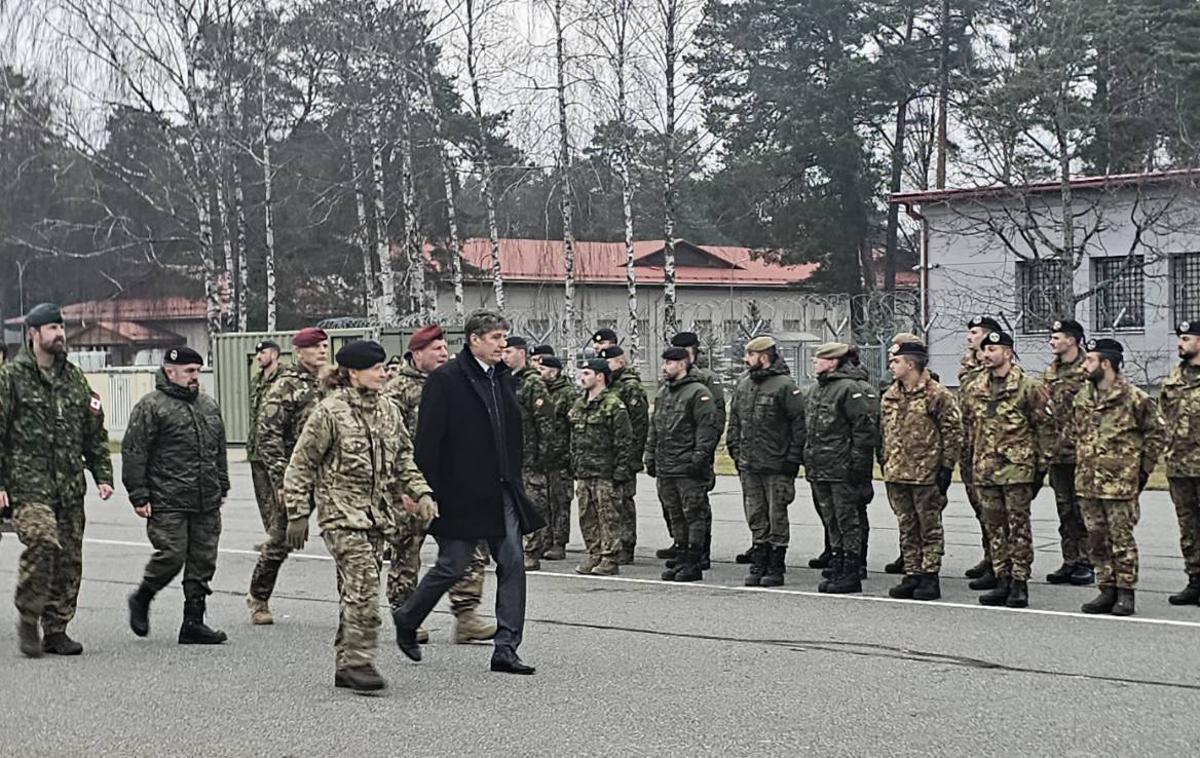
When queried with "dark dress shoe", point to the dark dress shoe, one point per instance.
{"points": [[406, 638], [512, 665]]}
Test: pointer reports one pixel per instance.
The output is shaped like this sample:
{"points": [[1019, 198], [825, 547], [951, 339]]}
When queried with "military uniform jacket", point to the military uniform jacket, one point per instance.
{"points": [[1008, 430], [969, 367], [51, 429], [173, 453], [355, 459], [713, 382], [628, 385], [537, 419], [562, 396], [601, 440], [1179, 400], [684, 429], [766, 422], [285, 408], [922, 432], [258, 390], [405, 391], [1063, 381], [1117, 434], [840, 428]]}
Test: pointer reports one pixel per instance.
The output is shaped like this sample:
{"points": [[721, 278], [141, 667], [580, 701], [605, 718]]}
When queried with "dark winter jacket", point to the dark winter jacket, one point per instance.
{"points": [[766, 422]]}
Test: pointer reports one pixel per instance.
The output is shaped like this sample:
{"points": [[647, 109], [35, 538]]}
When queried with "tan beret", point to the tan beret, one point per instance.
{"points": [[760, 344], [832, 350], [904, 337]]}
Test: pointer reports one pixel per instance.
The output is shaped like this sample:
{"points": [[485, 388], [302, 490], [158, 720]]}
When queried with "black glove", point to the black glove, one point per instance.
{"points": [[944, 476], [791, 470], [1039, 480], [651, 470], [1143, 477]]}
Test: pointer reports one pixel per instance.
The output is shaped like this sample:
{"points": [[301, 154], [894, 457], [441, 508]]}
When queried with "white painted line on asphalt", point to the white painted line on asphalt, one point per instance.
{"points": [[759, 590]]}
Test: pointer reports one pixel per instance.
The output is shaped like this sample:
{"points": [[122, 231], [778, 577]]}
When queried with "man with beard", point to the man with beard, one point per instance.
{"points": [[266, 354], [52, 426], [1180, 403], [1119, 435], [981, 575]]}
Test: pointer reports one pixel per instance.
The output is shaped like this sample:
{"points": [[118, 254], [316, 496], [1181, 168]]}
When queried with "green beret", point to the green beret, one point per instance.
{"points": [[760, 344], [42, 314], [832, 350]]}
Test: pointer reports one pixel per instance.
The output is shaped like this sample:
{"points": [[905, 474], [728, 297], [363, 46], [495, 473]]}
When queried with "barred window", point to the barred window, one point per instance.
{"points": [[1185, 284], [1120, 299], [1039, 294], [793, 325]]}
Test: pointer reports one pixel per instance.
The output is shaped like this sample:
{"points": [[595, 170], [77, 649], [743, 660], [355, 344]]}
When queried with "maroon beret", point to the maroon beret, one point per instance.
{"points": [[425, 336], [309, 337]]}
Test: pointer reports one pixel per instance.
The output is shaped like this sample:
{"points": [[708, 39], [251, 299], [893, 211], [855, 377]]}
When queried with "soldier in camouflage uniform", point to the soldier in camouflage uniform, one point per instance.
{"points": [[427, 351], [841, 433], [174, 466], [1179, 399], [1119, 435], [560, 485], [1063, 379], [266, 353], [922, 438], [354, 463], [766, 441], [51, 430], [537, 419], [601, 462], [1005, 411], [683, 437], [627, 383], [285, 408], [982, 575]]}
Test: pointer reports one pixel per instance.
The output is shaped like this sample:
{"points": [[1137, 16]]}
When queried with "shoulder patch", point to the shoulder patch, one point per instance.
{"points": [[538, 403], [796, 392], [94, 406], [704, 397], [857, 395]]}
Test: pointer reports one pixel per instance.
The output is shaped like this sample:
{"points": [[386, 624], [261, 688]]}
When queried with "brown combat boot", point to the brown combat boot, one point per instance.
{"points": [[359, 678], [469, 627], [260, 613], [588, 563], [532, 564], [606, 567]]}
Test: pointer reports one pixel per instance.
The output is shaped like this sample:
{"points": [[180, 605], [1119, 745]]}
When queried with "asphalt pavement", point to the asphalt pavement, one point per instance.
{"points": [[627, 665]]}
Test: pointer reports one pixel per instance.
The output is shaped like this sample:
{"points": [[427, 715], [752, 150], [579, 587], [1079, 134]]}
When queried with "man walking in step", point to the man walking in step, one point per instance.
{"points": [[174, 466], [468, 446], [1179, 399], [266, 355], [766, 441], [627, 383]]}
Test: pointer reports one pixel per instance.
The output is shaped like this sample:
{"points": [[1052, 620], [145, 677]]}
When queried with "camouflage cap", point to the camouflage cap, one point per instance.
{"points": [[832, 350], [760, 344], [42, 314]]}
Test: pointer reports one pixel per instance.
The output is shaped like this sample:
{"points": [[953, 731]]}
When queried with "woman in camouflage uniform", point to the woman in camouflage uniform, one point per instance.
{"points": [[353, 459]]}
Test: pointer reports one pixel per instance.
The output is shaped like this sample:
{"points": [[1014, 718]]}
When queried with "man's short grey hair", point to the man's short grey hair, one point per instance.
{"points": [[480, 323]]}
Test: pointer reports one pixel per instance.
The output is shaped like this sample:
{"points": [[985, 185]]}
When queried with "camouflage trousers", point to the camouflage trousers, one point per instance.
{"points": [[1006, 523], [765, 498], [561, 491], [51, 566], [966, 470], [599, 516], [274, 552], [627, 516], [1071, 531], [358, 556], [186, 542], [1114, 552], [409, 538], [537, 487], [840, 506], [1185, 493], [918, 509], [685, 502], [264, 492]]}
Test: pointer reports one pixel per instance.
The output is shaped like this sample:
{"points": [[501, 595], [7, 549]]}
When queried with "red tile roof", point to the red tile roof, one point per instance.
{"points": [[133, 309], [104, 333]]}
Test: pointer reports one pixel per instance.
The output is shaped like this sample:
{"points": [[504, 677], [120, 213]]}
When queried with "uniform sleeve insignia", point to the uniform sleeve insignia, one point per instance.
{"points": [[857, 395], [538, 403], [94, 404], [795, 392], [704, 398]]}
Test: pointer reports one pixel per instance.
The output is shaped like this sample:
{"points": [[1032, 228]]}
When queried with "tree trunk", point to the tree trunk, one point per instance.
{"points": [[387, 280], [943, 96], [414, 255], [1066, 273], [370, 299], [671, 53], [621, 25], [268, 178], [243, 265], [448, 170], [485, 162], [564, 167]]}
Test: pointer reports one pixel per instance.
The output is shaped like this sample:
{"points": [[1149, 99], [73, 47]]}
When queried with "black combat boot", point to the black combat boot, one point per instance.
{"points": [[746, 557], [985, 581], [822, 560], [895, 567], [998, 594], [194, 631], [29, 638], [667, 552], [139, 610], [58, 643], [907, 586], [1018, 594], [1082, 575], [359, 678], [862, 567], [675, 565], [692, 570], [775, 566], [831, 572], [930, 588], [759, 554], [849, 581], [979, 569], [1190, 594], [1104, 602], [1124, 604], [676, 556], [1062, 575]]}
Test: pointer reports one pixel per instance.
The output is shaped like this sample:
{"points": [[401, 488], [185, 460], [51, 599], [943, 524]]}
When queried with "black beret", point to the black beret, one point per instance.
{"points": [[1188, 327], [42, 314], [551, 361], [686, 339], [542, 350], [361, 354], [1069, 327], [265, 345], [612, 351], [998, 338], [604, 335], [183, 356], [675, 354], [1105, 345], [395, 360], [987, 322], [599, 365], [909, 348], [517, 342]]}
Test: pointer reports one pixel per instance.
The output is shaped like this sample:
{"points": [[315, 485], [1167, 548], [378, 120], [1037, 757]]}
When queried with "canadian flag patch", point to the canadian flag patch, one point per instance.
{"points": [[94, 404]]}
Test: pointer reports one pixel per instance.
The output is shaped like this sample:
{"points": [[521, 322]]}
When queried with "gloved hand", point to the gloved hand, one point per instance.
{"points": [[1143, 478], [1039, 480], [297, 533], [944, 477], [427, 509], [791, 470]]}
